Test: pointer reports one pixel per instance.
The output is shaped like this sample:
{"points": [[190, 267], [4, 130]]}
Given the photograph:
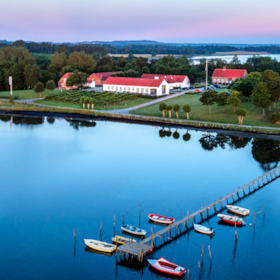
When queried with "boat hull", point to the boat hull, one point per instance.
{"points": [[238, 210], [166, 221], [140, 233], [231, 220], [93, 244], [122, 240], [203, 229], [167, 267]]}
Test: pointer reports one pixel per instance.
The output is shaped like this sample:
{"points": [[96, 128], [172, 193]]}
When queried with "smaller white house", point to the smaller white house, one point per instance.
{"points": [[137, 85], [181, 81]]}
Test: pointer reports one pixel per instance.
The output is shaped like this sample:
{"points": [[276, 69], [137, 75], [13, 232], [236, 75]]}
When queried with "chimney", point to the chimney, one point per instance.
{"points": [[224, 68]]}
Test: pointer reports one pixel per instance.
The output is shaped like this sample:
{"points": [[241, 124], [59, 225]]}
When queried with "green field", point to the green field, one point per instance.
{"points": [[27, 94], [200, 112], [127, 104]]}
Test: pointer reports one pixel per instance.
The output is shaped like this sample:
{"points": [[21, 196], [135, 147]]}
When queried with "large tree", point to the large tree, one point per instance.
{"points": [[245, 85], [59, 60], [187, 108], [233, 99], [241, 113], [176, 109], [222, 100], [50, 85], [272, 81], [77, 79], [261, 96], [39, 88], [208, 98], [82, 61], [162, 108]]}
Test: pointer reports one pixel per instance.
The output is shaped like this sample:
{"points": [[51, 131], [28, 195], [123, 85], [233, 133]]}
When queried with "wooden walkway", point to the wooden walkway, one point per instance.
{"points": [[139, 248]]}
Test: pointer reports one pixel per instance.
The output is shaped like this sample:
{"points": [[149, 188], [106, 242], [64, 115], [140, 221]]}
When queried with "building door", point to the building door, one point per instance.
{"points": [[163, 89]]}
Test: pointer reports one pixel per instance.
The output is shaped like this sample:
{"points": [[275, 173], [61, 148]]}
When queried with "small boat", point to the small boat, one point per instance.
{"points": [[134, 230], [122, 239], [161, 219], [100, 246], [165, 266], [203, 229], [231, 219], [238, 210]]}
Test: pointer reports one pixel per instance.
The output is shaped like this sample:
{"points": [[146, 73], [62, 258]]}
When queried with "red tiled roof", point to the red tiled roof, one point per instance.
{"points": [[66, 75], [134, 82], [169, 78], [104, 75], [229, 73]]}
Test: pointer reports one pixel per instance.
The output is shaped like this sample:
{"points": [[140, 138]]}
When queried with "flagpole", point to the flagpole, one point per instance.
{"points": [[206, 70], [11, 84]]}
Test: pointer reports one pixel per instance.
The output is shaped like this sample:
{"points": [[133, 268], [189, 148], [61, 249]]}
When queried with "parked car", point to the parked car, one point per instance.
{"points": [[210, 87], [192, 87], [217, 86], [198, 90], [185, 88]]}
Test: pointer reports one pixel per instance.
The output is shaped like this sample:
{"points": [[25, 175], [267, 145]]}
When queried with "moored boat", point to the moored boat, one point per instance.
{"points": [[203, 229], [166, 266], [100, 246], [134, 230], [231, 219], [238, 210], [122, 239], [161, 219]]}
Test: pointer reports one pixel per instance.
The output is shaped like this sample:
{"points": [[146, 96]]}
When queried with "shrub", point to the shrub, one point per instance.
{"points": [[276, 117], [191, 92], [11, 98]]}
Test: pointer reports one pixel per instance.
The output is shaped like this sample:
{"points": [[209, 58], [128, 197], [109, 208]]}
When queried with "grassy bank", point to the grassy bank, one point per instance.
{"points": [[27, 93], [200, 113], [124, 105], [25, 107]]}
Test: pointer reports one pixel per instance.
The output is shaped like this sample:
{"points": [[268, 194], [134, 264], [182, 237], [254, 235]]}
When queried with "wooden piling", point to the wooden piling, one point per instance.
{"points": [[199, 266], [74, 234], [210, 255], [202, 252], [254, 218], [188, 274]]}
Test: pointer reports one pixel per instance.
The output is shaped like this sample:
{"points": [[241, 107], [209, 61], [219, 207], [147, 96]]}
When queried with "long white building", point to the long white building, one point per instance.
{"points": [[181, 81], [137, 85]]}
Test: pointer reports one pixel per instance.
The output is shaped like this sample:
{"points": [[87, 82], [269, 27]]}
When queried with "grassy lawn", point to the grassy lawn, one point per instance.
{"points": [[200, 112], [127, 104], [27, 93]]}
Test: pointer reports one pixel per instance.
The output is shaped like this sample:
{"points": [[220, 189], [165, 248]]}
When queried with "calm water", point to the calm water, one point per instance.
{"points": [[58, 175]]}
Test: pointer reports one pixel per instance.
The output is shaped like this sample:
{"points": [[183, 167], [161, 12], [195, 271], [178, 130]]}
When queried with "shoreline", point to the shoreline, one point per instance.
{"points": [[83, 113]]}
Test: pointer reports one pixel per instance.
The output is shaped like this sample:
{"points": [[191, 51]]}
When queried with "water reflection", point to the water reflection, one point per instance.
{"points": [[50, 120], [266, 152], [28, 121], [76, 123]]}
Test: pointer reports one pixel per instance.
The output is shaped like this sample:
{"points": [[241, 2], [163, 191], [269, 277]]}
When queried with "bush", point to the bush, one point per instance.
{"points": [[11, 98], [191, 92], [7, 97], [276, 117]]}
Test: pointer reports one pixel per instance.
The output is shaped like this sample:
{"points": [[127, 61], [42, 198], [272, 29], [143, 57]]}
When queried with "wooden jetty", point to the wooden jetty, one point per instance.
{"points": [[141, 248]]}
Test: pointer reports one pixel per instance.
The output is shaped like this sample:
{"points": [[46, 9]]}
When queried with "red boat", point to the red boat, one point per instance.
{"points": [[161, 219], [231, 219], [165, 266]]}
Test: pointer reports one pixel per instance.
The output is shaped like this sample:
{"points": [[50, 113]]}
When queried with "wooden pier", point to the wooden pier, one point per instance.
{"points": [[141, 248]]}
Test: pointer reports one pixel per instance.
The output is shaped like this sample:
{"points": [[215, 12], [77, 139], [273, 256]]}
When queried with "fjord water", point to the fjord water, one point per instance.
{"points": [[58, 175]]}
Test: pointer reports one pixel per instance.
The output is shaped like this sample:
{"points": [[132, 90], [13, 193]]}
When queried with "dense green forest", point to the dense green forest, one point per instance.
{"points": [[27, 68]]}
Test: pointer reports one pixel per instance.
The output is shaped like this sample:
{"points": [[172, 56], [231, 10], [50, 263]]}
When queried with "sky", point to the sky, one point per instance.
{"points": [[176, 21]]}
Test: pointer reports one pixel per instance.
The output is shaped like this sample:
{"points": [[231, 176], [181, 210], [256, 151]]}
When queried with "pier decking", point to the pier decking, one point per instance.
{"points": [[141, 248]]}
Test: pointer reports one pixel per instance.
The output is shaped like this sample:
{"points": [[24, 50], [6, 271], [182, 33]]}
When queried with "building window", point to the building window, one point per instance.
{"points": [[124, 88], [214, 80], [116, 88], [142, 90], [108, 87], [128, 88], [120, 88], [147, 90], [112, 87], [61, 85], [138, 90], [133, 89]]}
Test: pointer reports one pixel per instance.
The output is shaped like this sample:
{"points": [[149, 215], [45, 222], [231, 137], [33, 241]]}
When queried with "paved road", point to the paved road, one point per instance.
{"points": [[127, 110]]}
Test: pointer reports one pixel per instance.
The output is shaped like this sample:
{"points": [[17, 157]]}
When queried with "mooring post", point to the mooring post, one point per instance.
{"points": [[101, 232], [199, 266], [214, 207], [238, 194], [207, 210], [254, 217], [263, 181], [210, 255], [232, 197], [188, 274], [74, 233], [114, 223]]}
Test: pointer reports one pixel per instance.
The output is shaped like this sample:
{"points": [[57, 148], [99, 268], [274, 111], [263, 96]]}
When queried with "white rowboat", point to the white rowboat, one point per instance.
{"points": [[231, 219], [122, 240], [100, 246], [203, 229], [238, 210], [133, 230]]}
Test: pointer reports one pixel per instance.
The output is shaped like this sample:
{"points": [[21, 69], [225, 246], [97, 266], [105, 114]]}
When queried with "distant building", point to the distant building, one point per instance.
{"points": [[62, 82], [100, 78], [227, 76], [137, 85], [181, 81]]}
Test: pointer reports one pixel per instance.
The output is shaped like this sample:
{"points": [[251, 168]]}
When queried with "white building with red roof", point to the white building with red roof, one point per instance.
{"points": [[181, 81], [62, 82], [137, 85], [227, 76]]}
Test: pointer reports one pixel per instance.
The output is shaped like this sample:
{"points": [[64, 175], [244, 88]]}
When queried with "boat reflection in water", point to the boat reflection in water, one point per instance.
{"points": [[89, 250]]}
